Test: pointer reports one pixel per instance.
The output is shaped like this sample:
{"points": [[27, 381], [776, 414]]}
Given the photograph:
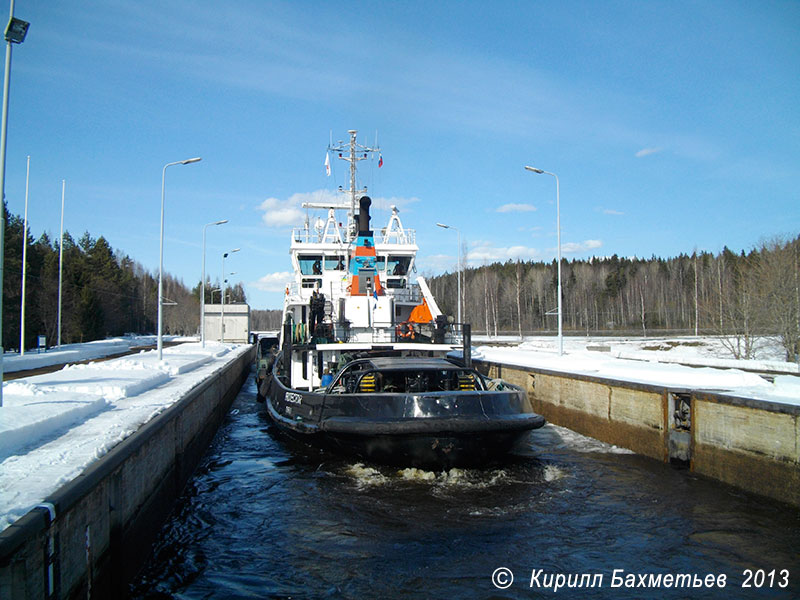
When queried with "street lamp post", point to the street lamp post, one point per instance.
{"points": [[61, 260], [458, 265], [24, 263], [558, 233], [222, 299], [203, 285], [14, 34], [161, 253]]}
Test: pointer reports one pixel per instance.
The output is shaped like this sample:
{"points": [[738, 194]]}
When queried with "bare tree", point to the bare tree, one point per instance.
{"points": [[777, 280], [738, 323]]}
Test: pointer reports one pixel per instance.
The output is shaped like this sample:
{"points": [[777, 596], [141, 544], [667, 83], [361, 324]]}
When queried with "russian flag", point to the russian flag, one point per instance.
{"points": [[380, 160]]}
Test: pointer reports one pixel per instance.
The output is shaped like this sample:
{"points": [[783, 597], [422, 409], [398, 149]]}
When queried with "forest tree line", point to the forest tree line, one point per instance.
{"points": [[739, 297], [104, 292]]}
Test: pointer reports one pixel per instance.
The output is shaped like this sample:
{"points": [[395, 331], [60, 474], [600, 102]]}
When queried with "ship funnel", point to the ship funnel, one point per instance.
{"points": [[363, 213]]}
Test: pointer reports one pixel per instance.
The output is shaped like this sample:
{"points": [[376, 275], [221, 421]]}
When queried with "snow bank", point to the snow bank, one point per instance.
{"points": [[52, 426], [29, 416], [70, 353], [653, 362], [175, 365], [109, 380]]}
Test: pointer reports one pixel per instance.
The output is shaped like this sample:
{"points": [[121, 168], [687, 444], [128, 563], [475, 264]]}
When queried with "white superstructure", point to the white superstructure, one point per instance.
{"points": [[372, 299]]}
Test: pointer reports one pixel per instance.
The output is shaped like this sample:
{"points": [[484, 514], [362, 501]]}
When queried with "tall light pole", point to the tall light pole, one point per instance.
{"points": [[222, 300], [458, 278], [14, 34], [61, 259], [203, 285], [558, 229], [161, 253], [24, 263]]}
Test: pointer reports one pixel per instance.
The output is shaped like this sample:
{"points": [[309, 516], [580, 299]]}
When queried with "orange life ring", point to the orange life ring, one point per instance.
{"points": [[405, 330]]}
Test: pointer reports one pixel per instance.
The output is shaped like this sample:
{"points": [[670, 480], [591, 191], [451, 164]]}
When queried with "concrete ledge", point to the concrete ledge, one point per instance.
{"points": [[751, 444], [107, 517]]}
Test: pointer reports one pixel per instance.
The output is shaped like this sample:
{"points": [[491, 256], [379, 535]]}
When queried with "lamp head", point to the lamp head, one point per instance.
{"points": [[191, 160], [16, 30], [443, 225], [534, 170]]}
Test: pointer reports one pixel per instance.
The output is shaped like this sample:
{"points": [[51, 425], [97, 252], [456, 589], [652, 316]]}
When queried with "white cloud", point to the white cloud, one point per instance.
{"points": [[273, 282], [290, 212], [278, 214], [437, 263], [516, 208], [282, 213], [485, 251], [647, 152], [576, 247], [387, 203], [611, 211]]}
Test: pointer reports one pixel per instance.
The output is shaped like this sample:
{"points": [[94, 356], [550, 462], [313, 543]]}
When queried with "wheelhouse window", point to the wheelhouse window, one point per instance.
{"points": [[310, 264], [334, 263], [398, 265]]}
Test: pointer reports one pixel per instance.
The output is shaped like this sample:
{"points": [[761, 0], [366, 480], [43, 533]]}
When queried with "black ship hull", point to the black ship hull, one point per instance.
{"points": [[434, 430]]}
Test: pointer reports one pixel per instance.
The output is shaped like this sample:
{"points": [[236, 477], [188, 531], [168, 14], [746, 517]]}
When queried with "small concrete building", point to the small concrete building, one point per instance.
{"points": [[237, 322]]}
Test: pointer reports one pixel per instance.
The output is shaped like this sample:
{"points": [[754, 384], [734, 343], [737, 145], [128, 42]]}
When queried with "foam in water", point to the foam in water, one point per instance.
{"points": [[581, 443], [553, 473], [365, 475], [412, 473], [451, 479]]}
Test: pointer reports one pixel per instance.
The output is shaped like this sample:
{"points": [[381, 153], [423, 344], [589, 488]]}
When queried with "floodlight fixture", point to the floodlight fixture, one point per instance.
{"points": [[16, 30]]}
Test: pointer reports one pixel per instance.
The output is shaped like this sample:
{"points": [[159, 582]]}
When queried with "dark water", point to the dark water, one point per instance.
{"points": [[265, 518]]}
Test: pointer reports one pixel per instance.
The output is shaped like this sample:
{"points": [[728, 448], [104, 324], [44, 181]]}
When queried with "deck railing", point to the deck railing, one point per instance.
{"points": [[301, 235]]}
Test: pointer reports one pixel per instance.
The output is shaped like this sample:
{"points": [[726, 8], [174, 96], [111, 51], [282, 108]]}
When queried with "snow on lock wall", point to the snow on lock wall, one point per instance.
{"points": [[53, 425], [38, 407], [30, 414]]}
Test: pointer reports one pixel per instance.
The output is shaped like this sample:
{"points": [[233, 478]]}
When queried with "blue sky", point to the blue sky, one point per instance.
{"points": [[672, 126]]}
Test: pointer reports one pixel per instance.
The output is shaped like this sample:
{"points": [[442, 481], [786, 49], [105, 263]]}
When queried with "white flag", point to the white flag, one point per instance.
{"points": [[327, 164]]}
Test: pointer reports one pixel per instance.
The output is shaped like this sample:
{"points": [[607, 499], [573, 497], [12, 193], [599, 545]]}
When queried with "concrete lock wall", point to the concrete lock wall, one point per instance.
{"points": [[97, 531], [752, 444]]}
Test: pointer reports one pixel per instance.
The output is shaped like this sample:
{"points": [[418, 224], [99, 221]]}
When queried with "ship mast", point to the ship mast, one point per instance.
{"points": [[353, 153]]}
